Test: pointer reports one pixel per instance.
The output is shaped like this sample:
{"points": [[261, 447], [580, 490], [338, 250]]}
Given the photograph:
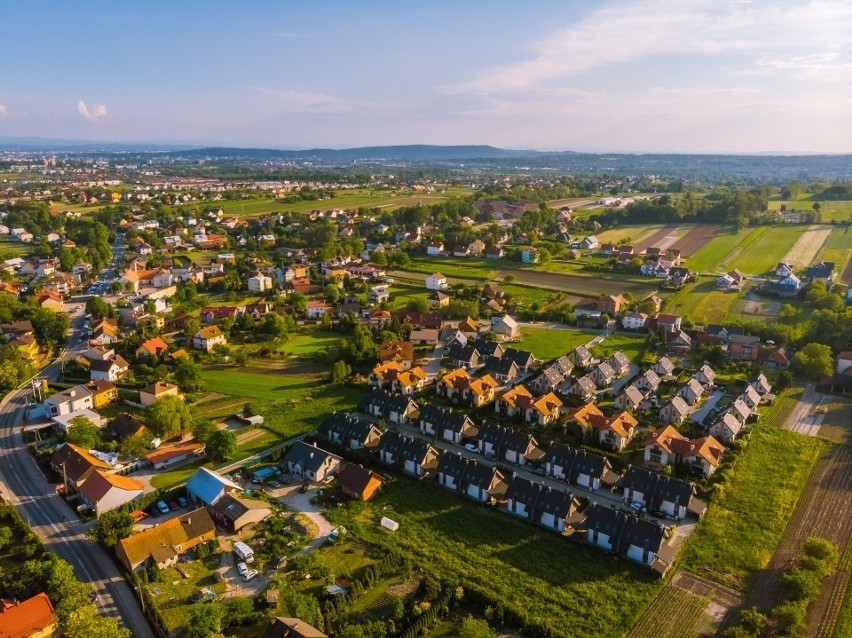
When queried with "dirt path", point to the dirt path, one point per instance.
{"points": [[803, 418], [806, 248], [655, 239]]}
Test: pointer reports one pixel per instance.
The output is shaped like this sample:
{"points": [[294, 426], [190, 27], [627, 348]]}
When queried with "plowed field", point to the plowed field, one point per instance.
{"points": [[696, 238]]}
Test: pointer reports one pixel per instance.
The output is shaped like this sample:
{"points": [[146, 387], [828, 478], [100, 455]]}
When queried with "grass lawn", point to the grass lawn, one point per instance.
{"points": [[308, 342], [837, 248], [629, 234], [767, 250], [173, 592], [703, 304], [634, 346], [831, 210], [546, 343], [714, 252], [544, 580], [751, 506], [290, 405], [169, 478]]}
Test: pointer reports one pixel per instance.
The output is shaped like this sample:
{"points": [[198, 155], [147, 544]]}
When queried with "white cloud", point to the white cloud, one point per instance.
{"points": [[813, 64], [93, 114], [3, 110], [302, 102], [628, 31]]}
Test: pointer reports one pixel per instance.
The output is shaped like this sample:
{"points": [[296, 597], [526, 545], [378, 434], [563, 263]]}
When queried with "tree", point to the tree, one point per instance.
{"points": [[82, 432], [168, 416], [205, 621], [13, 369], [276, 326], [202, 429], [475, 628], [221, 444], [191, 326], [135, 446], [340, 371], [63, 586], [814, 361], [85, 622], [784, 381], [241, 358], [239, 611], [112, 527], [331, 293], [187, 375], [99, 308]]}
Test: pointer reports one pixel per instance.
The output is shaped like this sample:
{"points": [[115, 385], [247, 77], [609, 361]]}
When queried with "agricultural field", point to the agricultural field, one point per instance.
{"points": [[10, 248], [675, 613], [696, 238], [713, 255], [542, 579], [838, 248], [770, 247], [819, 513], [751, 507], [634, 346], [702, 303], [629, 234], [663, 238], [809, 244], [546, 343]]}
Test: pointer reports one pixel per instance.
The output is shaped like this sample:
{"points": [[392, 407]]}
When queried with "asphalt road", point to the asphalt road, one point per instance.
{"points": [[23, 484]]}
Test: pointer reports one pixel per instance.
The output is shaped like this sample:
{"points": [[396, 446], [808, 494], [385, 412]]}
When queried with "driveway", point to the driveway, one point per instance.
{"points": [[619, 383], [433, 365], [293, 500], [701, 413], [231, 576]]}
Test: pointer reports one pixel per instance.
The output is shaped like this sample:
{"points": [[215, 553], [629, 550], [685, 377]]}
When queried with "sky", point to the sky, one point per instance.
{"points": [[688, 76]]}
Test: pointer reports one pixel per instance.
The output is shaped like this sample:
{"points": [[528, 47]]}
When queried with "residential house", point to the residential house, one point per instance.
{"points": [[543, 410], [283, 627], [589, 243], [208, 338], [784, 269], [580, 357], [235, 512], [316, 309], [103, 393], [490, 440], [657, 492], [169, 455], [505, 327], [205, 487], [412, 455], [743, 347], [480, 391], [163, 544], [666, 446], [75, 464], [436, 281], [669, 323], [524, 359], [383, 375], [514, 401], [448, 425], [503, 369], [824, 271], [157, 390], [529, 255], [409, 382], [438, 300], [789, 285], [739, 410], [552, 375], [520, 448], [705, 375], [726, 428], [310, 462], [678, 341], [678, 276], [603, 374], [612, 304], [392, 407], [629, 398], [450, 385], [152, 348], [616, 431], [691, 392], [774, 357], [110, 369], [350, 431], [400, 351], [125, 426], [675, 411], [378, 294], [762, 385], [49, 299], [733, 280], [662, 368], [30, 618], [68, 401], [578, 467], [463, 356], [483, 482], [435, 248], [102, 492], [750, 397], [648, 382], [619, 363], [582, 390], [627, 536], [539, 503], [358, 482]]}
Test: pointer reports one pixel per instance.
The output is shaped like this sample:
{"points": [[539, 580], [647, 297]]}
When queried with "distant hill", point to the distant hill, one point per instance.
{"points": [[412, 152]]}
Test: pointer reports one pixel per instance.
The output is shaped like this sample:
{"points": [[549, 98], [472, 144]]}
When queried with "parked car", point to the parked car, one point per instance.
{"points": [[247, 576], [274, 484], [162, 507], [173, 506], [304, 488], [242, 568], [181, 501], [471, 447]]}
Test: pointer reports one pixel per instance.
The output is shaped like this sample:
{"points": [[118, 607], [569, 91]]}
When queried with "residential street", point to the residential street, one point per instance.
{"points": [[23, 485]]}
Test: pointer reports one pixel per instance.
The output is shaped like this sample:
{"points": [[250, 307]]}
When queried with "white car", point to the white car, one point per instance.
{"points": [[247, 576], [242, 568]]}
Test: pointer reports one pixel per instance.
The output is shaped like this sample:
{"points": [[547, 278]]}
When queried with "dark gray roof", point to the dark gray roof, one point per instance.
{"points": [[556, 502], [453, 464], [444, 418], [309, 457], [233, 507], [521, 357], [523, 491], [346, 427], [657, 488], [502, 365], [492, 433], [385, 401], [488, 348], [518, 441], [481, 475]]}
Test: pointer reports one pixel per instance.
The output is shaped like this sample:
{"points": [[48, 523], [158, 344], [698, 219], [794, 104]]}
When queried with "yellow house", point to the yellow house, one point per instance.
{"points": [[116, 197], [27, 346], [103, 393]]}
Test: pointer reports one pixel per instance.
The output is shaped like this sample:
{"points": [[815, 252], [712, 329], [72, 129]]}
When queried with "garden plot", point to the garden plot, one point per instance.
{"points": [[673, 237], [697, 238], [806, 248]]}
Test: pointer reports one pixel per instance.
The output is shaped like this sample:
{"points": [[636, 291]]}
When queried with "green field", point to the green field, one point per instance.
{"points": [[751, 506], [702, 303], [633, 346], [548, 344], [709, 257], [830, 210], [541, 579], [675, 613], [767, 250], [291, 405], [629, 234], [837, 248]]}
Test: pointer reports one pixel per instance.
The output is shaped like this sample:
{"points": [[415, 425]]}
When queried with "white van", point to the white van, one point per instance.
{"points": [[244, 551]]}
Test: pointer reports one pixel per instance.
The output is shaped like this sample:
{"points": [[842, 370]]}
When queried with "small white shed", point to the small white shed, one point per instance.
{"points": [[389, 524]]}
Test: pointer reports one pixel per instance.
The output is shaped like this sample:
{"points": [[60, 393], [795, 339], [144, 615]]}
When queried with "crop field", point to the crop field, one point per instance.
{"points": [[657, 238], [770, 247], [808, 245], [546, 343], [823, 512], [675, 613], [630, 234], [712, 256], [541, 578], [673, 237], [752, 506], [704, 305], [838, 248], [590, 286], [696, 238]]}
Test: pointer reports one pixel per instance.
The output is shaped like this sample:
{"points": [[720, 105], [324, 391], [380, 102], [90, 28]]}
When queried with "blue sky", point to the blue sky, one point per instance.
{"points": [[628, 75]]}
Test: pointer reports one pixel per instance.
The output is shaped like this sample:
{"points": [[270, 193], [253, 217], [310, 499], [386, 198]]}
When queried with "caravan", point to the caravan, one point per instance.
{"points": [[244, 552]]}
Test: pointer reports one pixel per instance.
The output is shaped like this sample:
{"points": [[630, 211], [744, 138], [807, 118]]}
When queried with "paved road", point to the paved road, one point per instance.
{"points": [[804, 417], [23, 485]]}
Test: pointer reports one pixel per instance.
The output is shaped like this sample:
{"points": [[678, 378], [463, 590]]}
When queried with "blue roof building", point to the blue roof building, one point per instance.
{"points": [[205, 487]]}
